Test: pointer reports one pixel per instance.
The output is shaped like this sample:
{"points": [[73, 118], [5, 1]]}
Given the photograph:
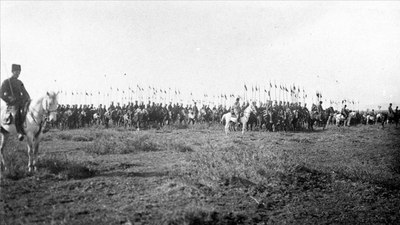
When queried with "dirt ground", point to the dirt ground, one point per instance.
{"points": [[197, 175]]}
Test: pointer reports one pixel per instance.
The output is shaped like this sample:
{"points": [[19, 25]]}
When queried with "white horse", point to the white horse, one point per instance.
{"points": [[39, 113], [346, 120], [244, 119], [371, 118], [340, 118]]}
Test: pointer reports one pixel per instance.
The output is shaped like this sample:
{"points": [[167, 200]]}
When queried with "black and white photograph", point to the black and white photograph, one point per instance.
{"points": [[199, 112]]}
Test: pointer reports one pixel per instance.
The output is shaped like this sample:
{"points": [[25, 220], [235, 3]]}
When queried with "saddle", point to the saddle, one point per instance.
{"points": [[8, 118], [238, 115]]}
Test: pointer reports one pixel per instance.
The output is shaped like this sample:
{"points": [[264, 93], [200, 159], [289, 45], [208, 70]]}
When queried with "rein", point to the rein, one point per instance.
{"points": [[44, 117]]}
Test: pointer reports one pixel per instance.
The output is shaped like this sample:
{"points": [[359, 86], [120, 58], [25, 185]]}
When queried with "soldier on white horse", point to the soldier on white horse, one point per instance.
{"points": [[229, 118], [40, 112], [13, 92], [236, 111]]}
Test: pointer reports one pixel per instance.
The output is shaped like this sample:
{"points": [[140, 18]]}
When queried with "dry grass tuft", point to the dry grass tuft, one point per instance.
{"points": [[202, 215], [122, 144], [64, 168], [16, 158], [81, 138]]}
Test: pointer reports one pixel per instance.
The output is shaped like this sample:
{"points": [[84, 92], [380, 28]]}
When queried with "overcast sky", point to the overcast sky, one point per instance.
{"points": [[206, 47]]}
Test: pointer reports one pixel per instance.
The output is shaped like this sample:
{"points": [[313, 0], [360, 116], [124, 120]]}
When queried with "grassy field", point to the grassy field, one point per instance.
{"points": [[197, 175]]}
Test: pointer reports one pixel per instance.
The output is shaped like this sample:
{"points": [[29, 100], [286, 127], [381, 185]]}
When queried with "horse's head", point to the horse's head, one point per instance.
{"points": [[252, 108], [50, 105], [314, 107]]}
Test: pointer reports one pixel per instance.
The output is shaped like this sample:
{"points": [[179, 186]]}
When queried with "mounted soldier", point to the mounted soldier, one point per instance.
{"points": [[195, 111], [13, 92], [320, 110], [344, 111], [236, 108]]}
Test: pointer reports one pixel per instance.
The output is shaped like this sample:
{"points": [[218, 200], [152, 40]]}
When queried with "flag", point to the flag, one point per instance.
{"points": [[245, 87], [86, 93], [269, 93], [256, 88]]}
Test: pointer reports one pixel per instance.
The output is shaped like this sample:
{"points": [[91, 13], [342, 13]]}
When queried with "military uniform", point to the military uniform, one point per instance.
{"points": [[13, 92], [236, 108], [390, 111], [344, 112]]}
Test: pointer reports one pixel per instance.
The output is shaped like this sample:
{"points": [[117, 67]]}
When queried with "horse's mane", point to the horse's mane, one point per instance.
{"points": [[39, 100], [35, 103]]}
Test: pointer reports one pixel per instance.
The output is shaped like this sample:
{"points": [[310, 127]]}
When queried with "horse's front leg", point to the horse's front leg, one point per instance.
{"points": [[244, 127], [35, 154], [30, 153], [3, 140]]}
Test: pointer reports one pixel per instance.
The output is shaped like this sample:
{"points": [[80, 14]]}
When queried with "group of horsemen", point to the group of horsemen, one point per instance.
{"points": [[270, 114], [140, 114]]}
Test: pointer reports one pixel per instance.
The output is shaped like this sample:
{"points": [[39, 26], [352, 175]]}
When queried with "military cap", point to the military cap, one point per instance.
{"points": [[15, 67]]}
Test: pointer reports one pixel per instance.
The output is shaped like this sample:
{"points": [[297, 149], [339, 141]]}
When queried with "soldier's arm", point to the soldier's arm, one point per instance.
{"points": [[24, 92], [3, 90], [4, 93]]}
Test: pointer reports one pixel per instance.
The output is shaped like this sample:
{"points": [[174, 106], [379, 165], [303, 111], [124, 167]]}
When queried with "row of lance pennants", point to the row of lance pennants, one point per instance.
{"points": [[159, 95]]}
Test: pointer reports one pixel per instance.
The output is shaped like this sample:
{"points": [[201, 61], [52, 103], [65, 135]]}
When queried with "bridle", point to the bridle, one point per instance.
{"points": [[45, 117]]}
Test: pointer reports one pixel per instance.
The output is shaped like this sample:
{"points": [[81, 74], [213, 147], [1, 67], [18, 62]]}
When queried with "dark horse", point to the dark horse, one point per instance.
{"points": [[321, 119]]}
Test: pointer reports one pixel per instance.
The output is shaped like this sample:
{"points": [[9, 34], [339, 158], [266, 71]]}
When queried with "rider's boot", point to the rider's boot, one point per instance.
{"points": [[19, 126]]}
